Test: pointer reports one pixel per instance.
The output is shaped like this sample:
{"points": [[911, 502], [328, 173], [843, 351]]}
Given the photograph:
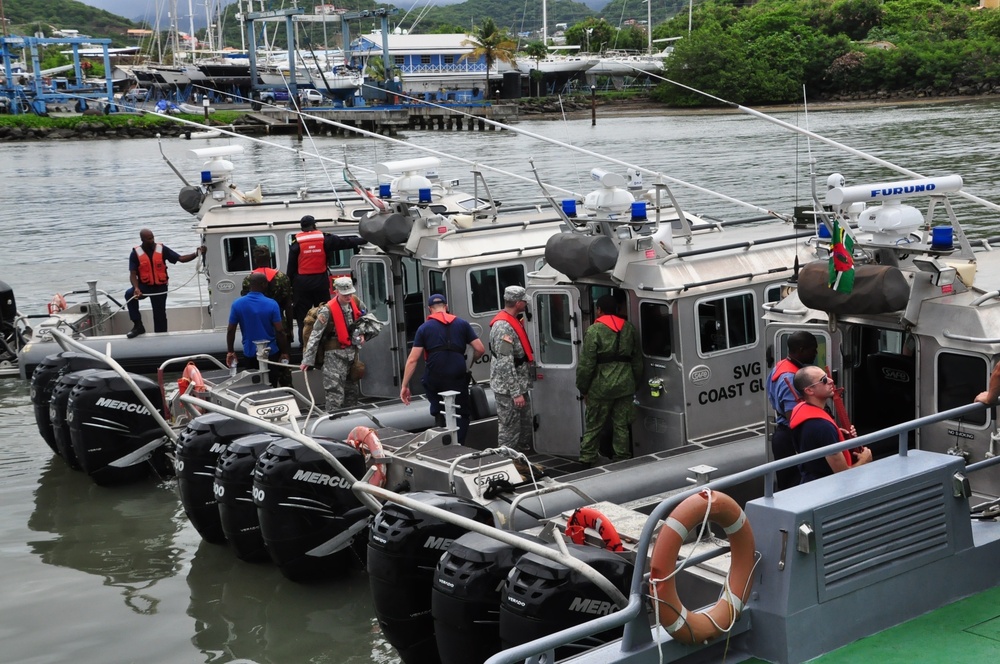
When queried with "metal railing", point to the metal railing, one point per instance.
{"points": [[637, 631]]}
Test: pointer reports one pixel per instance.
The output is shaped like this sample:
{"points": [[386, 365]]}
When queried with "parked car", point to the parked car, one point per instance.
{"points": [[311, 96]]}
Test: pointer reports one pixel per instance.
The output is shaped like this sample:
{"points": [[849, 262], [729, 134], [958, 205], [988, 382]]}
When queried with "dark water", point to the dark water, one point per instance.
{"points": [[92, 574]]}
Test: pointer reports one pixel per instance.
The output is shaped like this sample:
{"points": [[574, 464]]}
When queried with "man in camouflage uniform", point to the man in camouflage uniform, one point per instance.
{"points": [[342, 315], [609, 369], [510, 371], [279, 289]]}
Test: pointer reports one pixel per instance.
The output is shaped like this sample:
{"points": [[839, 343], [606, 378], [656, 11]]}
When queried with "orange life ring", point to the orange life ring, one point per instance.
{"points": [[366, 441], [192, 375], [588, 517], [701, 626], [57, 304]]}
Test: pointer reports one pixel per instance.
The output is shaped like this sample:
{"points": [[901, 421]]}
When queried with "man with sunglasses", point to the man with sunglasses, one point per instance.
{"points": [[813, 427]]}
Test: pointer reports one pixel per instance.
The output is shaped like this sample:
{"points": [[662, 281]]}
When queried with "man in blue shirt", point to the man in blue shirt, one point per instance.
{"points": [[259, 319], [442, 340], [783, 397]]}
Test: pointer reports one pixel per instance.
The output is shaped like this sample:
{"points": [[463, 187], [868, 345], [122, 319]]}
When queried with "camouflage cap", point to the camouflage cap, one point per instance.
{"points": [[344, 286], [515, 294]]}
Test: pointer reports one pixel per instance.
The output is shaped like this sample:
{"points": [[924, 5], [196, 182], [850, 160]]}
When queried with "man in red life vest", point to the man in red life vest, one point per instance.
{"points": [[782, 396], [339, 345], [510, 371], [147, 270], [813, 427], [441, 340], [610, 368], [307, 266]]}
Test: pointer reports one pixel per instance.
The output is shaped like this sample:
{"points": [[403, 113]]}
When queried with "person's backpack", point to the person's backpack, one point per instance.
{"points": [[307, 328]]}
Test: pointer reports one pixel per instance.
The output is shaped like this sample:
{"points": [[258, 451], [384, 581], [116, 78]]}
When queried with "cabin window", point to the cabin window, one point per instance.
{"points": [[772, 294], [373, 288], [656, 329], [959, 379], [435, 283], [726, 323], [822, 345], [238, 251], [340, 261], [552, 316], [414, 302], [486, 287]]}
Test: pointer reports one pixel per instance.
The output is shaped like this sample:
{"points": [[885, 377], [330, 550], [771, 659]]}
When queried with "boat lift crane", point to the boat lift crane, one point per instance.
{"points": [[28, 92], [297, 15]]}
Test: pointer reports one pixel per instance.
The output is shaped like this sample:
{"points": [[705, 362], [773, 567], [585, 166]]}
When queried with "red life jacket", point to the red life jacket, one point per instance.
{"points": [[268, 272], [783, 367], [522, 334], [806, 411], [340, 321], [312, 255], [614, 322], [444, 318], [152, 272]]}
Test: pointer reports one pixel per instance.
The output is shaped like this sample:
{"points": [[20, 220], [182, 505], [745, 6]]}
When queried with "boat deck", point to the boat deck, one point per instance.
{"points": [[964, 632]]}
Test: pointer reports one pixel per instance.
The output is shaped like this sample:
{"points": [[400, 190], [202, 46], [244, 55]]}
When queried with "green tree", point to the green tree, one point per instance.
{"points": [[537, 52], [492, 44]]}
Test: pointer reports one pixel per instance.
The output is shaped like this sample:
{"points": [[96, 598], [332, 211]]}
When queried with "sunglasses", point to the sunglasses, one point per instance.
{"points": [[822, 381]]}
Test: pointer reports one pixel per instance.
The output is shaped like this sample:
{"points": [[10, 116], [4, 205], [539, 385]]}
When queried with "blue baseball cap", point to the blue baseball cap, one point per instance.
{"points": [[436, 298]]}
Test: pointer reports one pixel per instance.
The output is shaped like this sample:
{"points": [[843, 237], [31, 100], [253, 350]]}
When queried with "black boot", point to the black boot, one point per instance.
{"points": [[136, 330]]}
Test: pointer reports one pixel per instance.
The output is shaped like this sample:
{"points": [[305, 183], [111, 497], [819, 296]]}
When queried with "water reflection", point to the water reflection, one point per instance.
{"points": [[251, 612], [125, 535]]}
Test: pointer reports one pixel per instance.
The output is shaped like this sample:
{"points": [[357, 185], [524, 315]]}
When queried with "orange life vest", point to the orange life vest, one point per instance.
{"points": [[783, 367], [340, 321], [804, 411], [268, 272], [522, 334], [613, 322], [312, 255], [152, 272]]}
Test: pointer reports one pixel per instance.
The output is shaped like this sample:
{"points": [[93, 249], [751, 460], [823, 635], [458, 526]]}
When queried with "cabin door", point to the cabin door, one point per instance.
{"points": [[381, 355], [555, 338]]}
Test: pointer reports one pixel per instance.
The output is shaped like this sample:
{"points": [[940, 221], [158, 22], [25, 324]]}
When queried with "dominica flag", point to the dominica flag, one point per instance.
{"points": [[841, 259]]}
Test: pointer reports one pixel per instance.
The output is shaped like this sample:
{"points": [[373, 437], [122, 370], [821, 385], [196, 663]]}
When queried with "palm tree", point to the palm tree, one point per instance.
{"points": [[537, 52], [492, 44]]}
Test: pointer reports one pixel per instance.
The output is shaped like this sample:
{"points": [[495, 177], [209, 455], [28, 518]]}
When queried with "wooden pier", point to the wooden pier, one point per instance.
{"points": [[384, 120]]}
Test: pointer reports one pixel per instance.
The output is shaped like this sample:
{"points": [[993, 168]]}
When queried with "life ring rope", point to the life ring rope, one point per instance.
{"points": [[704, 625]]}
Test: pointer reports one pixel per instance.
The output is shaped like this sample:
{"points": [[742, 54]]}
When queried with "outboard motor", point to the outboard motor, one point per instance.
{"points": [[107, 422], [58, 403], [8, 333], [403, 550], [199, 447], [234, 492], [307, 512], [543, 596], [465, 597], [43, 380]]}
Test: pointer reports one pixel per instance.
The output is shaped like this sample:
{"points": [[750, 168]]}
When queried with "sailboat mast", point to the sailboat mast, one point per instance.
{"points": [[545, 22], [194, 42]]}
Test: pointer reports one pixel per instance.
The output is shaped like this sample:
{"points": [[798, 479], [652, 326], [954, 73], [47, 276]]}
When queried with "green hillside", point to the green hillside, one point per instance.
{"points": [[26, 17]]}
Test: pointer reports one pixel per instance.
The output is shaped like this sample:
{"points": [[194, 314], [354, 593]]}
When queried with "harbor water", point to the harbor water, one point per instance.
{"points": [[96, 574]]}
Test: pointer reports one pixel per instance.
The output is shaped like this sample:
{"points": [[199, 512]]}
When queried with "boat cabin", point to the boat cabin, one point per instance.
{"points": [[693, 290], [917, 334]]}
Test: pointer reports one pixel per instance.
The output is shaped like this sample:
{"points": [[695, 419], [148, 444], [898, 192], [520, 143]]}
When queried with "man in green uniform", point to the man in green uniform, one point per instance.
{"points": [[610, 367]]}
